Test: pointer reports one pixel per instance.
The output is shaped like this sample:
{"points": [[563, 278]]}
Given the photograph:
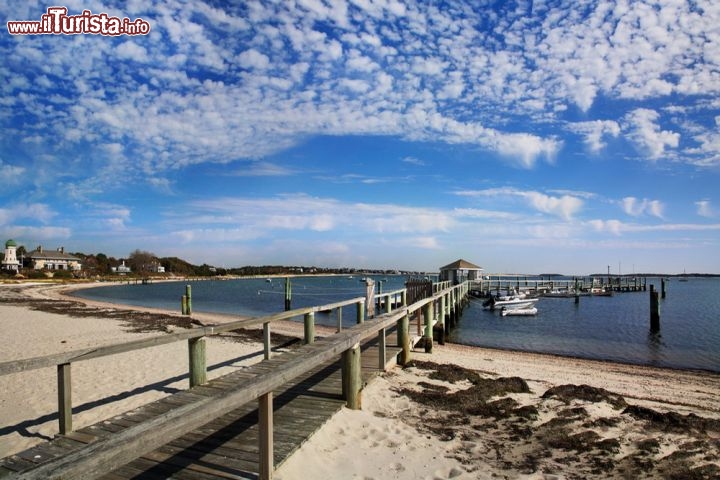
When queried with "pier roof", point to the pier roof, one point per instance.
{"points": [[461, 264]]}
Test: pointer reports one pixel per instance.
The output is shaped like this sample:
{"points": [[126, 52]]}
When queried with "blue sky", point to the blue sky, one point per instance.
{"points": [[522, 136]]}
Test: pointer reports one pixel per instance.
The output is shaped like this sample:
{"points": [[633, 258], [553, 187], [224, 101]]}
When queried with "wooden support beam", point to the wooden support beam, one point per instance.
{"points": [[351, 377], [309, 321], [403, 336], [382, 350], [428, 314], [338, 315], [267, 345], [64, 382], [198, 361], [265, 420]]}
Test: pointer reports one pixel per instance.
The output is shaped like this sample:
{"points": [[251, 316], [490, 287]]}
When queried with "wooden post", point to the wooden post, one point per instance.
{"points": [[382, 350], [198, 362], [338, 315], [388, 304], [351, 379], [64, 382], [288, 294], [403, 297], [360, 308], [183, 305], [428, 314], [188, 294], [654, 310], [662, 288], [403, 336], [309, 328], [267, 346], [370, 298], [265, 421], [441, 320], [577, 293]]}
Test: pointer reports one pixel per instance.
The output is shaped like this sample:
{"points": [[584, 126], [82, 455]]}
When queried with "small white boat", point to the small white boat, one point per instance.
{"points": [[515, 303], [527, 312]]}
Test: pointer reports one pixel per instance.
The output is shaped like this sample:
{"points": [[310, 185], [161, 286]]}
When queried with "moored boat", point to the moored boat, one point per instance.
{"points": [[527, 312]]}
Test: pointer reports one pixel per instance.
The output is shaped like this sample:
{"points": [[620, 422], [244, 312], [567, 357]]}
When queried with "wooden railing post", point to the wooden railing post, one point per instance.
{"points": [[360, 312], [267, 346], [388, 304], [351, 377], [382, 350], [64, 381], [403, 336], [198, 362], [309, 327], [370, 298], [441, 320], [188, 294], [428, 315], [338, 314], [265, 420]]}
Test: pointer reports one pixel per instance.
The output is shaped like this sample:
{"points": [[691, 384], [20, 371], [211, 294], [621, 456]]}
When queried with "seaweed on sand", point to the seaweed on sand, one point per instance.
{"points": [[568, 393]]}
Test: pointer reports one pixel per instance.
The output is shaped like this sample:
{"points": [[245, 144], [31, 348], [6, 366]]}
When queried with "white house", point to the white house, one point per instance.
{"points": [[121, 269], [10, 261]]}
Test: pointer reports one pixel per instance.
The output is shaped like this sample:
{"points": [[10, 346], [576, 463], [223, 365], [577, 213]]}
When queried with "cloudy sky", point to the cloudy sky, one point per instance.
{"points": [[540, 136]]}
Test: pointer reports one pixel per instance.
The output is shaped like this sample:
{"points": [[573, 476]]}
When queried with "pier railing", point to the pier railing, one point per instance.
{"points": [[441, 309], [503, 283]]}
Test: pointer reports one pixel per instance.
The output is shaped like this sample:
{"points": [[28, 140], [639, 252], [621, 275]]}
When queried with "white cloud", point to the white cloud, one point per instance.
{"points": [[10, 174], [594, 131], [565, 206], [647, 135], [704, 209], [254, 59], [635, 207]]}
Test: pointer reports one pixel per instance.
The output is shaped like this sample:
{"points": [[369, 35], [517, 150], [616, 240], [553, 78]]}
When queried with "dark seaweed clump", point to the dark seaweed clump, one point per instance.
{"points": [[567, 393], [473, 400], [673, 421]]}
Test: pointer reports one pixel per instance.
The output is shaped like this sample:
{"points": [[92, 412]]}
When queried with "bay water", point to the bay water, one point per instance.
{"points": [[615, 328]]}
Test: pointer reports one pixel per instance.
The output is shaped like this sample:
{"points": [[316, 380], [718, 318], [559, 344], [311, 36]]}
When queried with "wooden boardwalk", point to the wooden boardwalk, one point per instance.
{"points": [[227, 447]]}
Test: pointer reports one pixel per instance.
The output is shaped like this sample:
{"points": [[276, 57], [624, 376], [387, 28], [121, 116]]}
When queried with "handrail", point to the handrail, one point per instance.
{"points": [[26, 364], [111, 452]]}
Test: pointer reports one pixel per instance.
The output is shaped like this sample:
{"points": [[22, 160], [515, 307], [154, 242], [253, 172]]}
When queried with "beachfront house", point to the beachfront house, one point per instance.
{"points": [[10, 262], [41, 259], [459, 271], [122, 269]]}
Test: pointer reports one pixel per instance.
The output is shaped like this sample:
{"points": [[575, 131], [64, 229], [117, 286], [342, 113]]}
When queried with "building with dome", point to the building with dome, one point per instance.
{"points": [[10, 262]]}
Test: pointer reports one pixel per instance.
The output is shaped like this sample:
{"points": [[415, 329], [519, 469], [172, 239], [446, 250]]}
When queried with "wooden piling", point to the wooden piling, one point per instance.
{"points": [[403, 338], [351, 377], [188, 294], [662, 288], [428, 317], [183, 305], [288, 294], [654, 309]]}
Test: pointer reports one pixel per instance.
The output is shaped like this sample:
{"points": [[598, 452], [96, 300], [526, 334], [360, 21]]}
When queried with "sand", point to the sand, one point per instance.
{"points": [[431, 420]]}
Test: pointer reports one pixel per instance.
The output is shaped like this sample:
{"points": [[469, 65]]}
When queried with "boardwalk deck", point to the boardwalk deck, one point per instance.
{"points": [[227, 447]]}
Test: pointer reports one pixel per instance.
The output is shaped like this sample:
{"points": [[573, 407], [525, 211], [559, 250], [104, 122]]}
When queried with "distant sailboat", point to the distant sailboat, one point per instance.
{"points": [[684, 277]]}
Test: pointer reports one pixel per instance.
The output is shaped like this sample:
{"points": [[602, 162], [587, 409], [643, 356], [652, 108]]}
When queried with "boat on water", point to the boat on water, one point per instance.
{"points": [[510, 304], [525, 312]]}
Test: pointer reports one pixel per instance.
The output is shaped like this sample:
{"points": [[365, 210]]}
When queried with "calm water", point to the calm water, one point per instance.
{"points": [[608, 328]]}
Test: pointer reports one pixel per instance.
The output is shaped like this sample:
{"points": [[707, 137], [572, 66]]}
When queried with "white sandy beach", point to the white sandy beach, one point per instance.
{"points": [[395, 436]]}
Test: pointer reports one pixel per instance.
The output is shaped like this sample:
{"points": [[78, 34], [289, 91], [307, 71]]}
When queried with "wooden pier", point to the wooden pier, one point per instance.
{"points": [[245, 424], [493, 284]]}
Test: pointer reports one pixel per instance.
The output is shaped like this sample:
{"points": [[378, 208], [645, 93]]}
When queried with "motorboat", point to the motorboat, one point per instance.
{"points": [[526, 312], [511, 304]]}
